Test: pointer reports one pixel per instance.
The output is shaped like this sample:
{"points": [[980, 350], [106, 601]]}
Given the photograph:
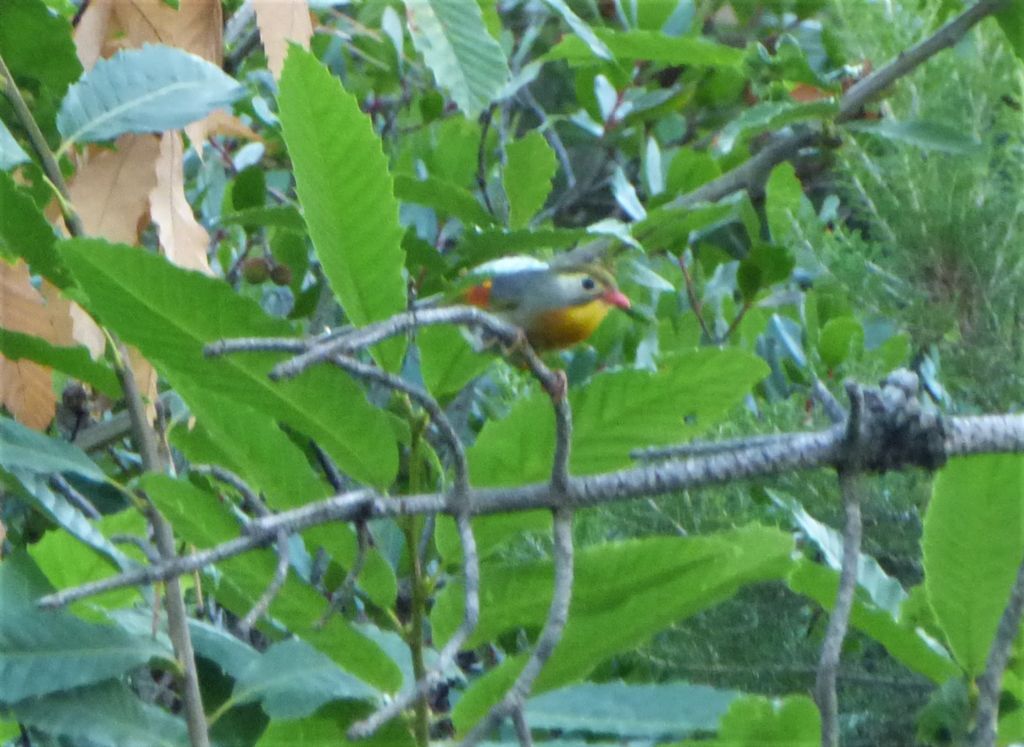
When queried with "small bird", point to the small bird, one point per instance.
{"points": [[556, 303]]}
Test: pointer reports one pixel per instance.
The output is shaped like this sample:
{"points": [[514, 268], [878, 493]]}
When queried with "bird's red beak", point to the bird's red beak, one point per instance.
{"points": [[615, 297]]}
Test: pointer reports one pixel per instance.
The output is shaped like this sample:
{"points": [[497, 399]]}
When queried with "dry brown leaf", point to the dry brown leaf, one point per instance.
{"points": [[111, 190], [280, 22], [72, 325], [224, 123], [92, 31], [183, 240], [26, 388], [196, 26]]}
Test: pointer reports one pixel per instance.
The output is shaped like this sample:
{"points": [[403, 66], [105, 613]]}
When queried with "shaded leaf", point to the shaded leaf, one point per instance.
{"points": [[444, 196], [928, 136], [25, 233], [152, 89], [629, 46], [74, 361], [530, 166], [630, 710], [464, 58]]}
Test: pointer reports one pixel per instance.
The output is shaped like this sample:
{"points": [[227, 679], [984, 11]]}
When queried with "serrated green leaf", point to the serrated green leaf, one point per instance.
{"points": [[170, 314], [530, 165], [972, 546], [928, 136], [464, 58], [74, 361], [347, 194], [49, 651], [25, 233], [152, 89], [614, 413], [105, 715], [445, 197], [666, 709], [624, 592], [11, 154], [629, 46], [904, 643]]}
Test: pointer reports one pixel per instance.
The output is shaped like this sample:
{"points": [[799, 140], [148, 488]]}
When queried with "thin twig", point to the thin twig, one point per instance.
{"points": [[481, 157], [522, 727], [850, 479], [833, 408], [558, 615], [340, 597], [259, 609], [79, 501], [691, 294], [990, 682]]}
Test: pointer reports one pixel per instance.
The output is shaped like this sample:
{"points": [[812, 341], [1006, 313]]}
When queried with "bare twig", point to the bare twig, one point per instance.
{"points": [[558, 615], [522, 727], [79, 501], [691, 294], [259, 609], [990, 682], [850, 478], [252, 501], [833, 408], [341, 595]]}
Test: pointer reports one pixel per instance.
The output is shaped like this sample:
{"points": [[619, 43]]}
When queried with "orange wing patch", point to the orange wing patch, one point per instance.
{"points": [[479, 295]]}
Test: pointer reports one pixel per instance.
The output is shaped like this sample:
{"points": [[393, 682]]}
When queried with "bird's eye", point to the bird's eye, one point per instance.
{"points": [[589, 284]]}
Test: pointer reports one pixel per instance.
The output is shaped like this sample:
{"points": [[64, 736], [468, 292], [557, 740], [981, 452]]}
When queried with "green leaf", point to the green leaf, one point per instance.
{"points": [[170, 314], [292, 679], [1011, 21], [476, 248], [973, 545], [614, 413], [529, 168], [49, 651], [11, 154], [841, 338], [690, 169], [764, 266], [74, 361], [25, 233], [152, 89], [928, 136], [905, 643], [222, 648], [624, 593], [770, 115], [465, 59], [37, 45], [784, 197], [200, 519], [630, 46], [278, 216], [347, 194], [629, 710], [105, 715], [756, 721], [447, 360], [444, 196], [581, 30]]}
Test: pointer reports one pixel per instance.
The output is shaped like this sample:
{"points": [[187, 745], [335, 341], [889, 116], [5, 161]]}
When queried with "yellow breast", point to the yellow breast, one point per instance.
{"points": [[564, 327]]}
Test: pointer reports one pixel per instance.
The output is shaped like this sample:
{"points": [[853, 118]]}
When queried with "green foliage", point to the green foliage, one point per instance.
{"points": [[380, 174], [972, 549]]}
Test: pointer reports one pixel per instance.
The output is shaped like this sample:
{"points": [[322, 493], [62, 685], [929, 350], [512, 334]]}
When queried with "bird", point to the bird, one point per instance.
{"points": [[557, 303]]}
